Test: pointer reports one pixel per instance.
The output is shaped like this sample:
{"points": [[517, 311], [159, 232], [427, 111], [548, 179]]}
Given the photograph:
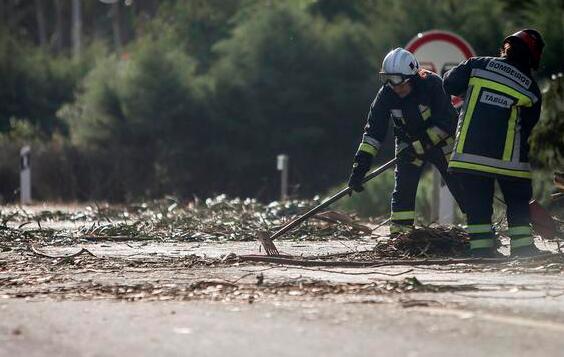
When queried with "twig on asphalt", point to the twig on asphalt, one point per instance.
{"points": [[234, 282], [546, 295], [343, 254], [82, 251], [352, 273], [408, 303], [92, 237], [384, 262], [261, 270], [24, 224], [349, 248], [368, 264], [249, 273]]}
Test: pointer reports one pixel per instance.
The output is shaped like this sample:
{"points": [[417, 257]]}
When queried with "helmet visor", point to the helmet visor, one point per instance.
{"points": [[393, 79]]}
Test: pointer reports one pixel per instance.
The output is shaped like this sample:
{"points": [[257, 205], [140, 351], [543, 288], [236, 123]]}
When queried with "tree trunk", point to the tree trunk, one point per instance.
{"points": [[57, 38], [41, 26], [116, 26], [2, 12], [76, 28]]}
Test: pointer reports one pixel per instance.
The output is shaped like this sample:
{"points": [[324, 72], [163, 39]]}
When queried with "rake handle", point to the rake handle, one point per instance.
{"points": [[330, 200]]}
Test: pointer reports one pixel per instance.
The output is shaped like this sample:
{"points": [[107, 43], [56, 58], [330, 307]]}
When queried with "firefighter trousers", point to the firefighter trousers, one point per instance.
{"points": [[478, 200], [407, 175]]}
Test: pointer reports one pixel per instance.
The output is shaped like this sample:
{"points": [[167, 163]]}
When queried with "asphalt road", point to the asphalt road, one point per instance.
{"points": [[106, 328], [498, 310]]}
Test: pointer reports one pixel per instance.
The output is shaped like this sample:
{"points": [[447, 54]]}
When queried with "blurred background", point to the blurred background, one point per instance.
{"points": [[122, 100]]}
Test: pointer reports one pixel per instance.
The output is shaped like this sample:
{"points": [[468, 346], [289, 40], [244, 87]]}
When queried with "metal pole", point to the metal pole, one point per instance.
{"points": [[282, 166]]}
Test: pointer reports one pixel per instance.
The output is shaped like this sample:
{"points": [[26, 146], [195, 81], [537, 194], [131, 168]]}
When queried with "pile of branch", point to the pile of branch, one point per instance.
{"points": [[426, 242]]}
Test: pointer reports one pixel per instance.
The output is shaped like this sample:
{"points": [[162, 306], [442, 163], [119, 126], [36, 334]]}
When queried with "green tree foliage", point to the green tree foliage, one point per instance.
{"points": [[547, 141], [197, 25], [294, 84], [547, 16], [198, 97], [33, 84], [140, 115]]}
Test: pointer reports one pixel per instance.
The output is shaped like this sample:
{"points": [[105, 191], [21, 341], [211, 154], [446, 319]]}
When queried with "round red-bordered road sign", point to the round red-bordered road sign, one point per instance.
{"points": [[439, 51]]}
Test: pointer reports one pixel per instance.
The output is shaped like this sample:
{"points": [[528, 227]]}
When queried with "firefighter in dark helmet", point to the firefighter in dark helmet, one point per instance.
{"points": [[424, 122], [502, 104]]}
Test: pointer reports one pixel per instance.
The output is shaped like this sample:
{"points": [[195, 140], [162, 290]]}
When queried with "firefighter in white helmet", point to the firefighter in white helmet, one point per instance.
{"points": [[424, 122]]}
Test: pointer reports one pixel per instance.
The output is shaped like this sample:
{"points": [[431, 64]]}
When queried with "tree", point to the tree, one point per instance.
{"points": [[547, 141], [289, 82], [41, 26]]}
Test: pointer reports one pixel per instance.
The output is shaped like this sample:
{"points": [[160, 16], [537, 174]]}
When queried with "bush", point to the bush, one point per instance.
{"points": [[288, 82], [140, 118], [34, 84]]}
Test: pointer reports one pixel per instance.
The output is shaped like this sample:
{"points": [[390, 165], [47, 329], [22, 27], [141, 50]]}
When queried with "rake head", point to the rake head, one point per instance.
{"points": [[267, 243]]}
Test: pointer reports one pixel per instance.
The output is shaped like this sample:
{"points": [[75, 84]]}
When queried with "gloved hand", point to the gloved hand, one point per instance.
{"points": [[413, 153], [362, 162]]}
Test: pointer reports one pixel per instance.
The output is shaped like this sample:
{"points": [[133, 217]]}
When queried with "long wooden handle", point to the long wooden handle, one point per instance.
{"points": [[345, 191]]}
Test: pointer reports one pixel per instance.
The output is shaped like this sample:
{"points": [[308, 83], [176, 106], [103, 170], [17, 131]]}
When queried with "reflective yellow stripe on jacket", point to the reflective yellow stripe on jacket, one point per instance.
{"points": [[509, 164]]}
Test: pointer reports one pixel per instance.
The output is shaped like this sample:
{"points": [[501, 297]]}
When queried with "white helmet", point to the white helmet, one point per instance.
{"points": [[398, 66]]}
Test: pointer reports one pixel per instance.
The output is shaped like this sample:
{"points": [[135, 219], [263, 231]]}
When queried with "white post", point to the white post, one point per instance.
{"points": [[282, 166], [443, 202], [25, 175], [435, 195]]}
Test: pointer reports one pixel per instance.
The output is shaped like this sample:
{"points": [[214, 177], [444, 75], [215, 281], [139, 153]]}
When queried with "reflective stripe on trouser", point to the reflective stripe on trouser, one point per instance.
{"points": [[407, 177], [478, 199], [402, 216], [521, 236], [481, 236], [400, 228], [517, 194], [403, 197], [402, 221]]}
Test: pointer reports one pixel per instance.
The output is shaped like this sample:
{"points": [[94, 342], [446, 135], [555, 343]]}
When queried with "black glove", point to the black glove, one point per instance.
{"points": [[362, 162], [414, 152]]}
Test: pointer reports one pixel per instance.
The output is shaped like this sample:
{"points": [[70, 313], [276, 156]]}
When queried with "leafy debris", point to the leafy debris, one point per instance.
{"points": [[216, 219]]}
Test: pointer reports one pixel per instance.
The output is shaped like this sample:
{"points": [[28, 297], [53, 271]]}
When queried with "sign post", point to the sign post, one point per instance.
{"points": [[439, 51]]}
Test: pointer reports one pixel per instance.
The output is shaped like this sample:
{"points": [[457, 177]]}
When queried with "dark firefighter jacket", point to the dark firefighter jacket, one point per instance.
{"points": [[426, 114], [502, 105]]}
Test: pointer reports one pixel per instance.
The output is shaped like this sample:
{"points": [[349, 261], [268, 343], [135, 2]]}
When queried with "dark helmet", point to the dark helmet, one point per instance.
{"points": [[532, 40]]}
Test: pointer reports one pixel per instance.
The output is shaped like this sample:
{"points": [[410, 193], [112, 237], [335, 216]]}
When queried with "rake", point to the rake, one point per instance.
{"points": [[543, 223], [267, 241]]}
